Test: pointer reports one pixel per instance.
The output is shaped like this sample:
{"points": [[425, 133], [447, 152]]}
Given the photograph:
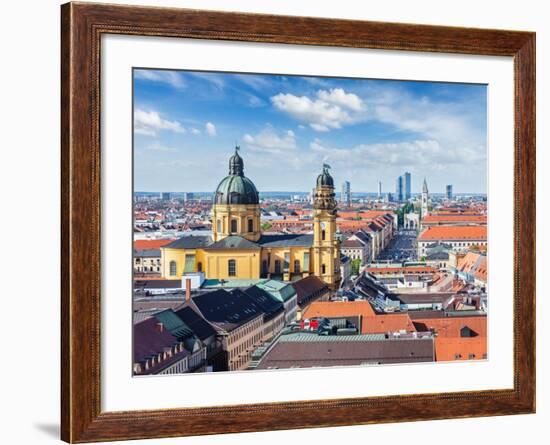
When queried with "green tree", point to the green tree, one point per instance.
{"points": [[355, 265]]}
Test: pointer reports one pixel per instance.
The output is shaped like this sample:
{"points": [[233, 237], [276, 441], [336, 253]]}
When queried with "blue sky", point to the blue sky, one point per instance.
{"points": [[186, 124]]}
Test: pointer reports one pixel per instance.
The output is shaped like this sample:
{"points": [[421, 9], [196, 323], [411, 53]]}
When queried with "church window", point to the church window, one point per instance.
{"points": [[233, 226], [323, 235], [251, 225], [323, 269], [219, 225], [173, 268], [277, 266], [287, 262], [199, 267], [264, 268], [306, 262], [232, 268], [296, 266]]}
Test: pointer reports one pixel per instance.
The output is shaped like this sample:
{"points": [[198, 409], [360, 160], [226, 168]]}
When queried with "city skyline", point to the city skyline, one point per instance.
{"points": [[186, 124]]}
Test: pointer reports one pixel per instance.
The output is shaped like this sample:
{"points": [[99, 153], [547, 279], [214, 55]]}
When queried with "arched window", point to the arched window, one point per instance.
{"points": [[277, 266], [296, 266], [199, 267], [173, 268], [323, 235], [219, 225], [233, 226], [323, 269], [251, 225], [232, 268]]}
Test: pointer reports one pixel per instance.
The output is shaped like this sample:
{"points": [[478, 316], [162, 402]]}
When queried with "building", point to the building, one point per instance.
{"points": [[239, 249], [358, 247], [449, 191], [166, 196], [399, 189], [345, 196], [379, 189], [424, 200], [147, 257], [158, 351], [407, 185], [308, 290], [411, 220], [458, 237], [361, 314], [457, 338], [472, 268], [306, 350], [453, 219]]}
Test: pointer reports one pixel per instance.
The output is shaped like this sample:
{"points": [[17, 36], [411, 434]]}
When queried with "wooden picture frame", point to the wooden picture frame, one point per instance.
{"points": [[82, 26]]}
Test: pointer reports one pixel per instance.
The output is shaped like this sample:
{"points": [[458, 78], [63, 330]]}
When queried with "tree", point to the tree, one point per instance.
{"points": [[355, 265]]}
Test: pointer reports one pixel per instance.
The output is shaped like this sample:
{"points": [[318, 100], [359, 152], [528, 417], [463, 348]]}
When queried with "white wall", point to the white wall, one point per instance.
{"points": [[30, 169]]}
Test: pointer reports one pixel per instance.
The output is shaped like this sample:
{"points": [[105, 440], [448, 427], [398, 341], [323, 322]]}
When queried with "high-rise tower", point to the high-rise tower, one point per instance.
{"points": [[326, 247], [424, 200]]}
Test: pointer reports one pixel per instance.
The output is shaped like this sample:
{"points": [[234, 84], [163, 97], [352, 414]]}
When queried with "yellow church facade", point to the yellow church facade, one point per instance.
{"points": [[238, 249]]}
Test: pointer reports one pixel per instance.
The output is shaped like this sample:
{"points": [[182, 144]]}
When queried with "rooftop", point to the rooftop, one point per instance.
{"points": [[454, 233]]}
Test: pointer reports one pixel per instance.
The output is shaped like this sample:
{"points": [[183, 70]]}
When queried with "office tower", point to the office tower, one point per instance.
{"points": [[407, 185], [449, 191], [399, 189], [345, 196]]}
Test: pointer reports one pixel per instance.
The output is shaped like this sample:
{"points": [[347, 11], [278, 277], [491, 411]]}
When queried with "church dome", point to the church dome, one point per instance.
{"points": [[236, 188], [325, 179]]}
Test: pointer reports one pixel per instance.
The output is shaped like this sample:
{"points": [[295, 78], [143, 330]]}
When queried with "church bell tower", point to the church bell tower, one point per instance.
{"points": [[424, 200], [326, 247]]}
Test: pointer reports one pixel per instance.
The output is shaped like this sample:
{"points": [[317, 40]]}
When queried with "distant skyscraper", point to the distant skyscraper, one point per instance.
{"points": [[345, 196], [399, 189], [165, 196], [188, 196], [450, 191], [424, 201], [407, 185], [379, 189]]}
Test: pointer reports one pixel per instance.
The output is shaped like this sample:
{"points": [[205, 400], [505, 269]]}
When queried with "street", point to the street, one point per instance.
{"points": [[401, 248]]}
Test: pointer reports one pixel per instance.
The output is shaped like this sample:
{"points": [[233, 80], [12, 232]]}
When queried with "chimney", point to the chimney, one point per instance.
{"points": [[187, 290], [160, 327]]}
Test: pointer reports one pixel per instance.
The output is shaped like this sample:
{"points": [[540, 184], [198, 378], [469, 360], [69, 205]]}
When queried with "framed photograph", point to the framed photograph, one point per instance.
{"points": [[274, 222]]}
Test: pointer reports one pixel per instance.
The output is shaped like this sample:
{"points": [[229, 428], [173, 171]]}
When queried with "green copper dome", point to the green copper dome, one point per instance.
{"points": [[236, 188]]}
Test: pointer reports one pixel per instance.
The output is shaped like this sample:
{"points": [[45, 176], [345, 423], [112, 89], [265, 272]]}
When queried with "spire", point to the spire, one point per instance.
{"points": [[425, 186], [236, 164]]}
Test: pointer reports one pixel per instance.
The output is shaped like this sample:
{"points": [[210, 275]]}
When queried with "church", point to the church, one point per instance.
{"points": [[237, 248]]}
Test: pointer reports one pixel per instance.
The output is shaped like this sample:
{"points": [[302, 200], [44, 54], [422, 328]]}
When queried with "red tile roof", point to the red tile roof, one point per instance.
{"points": [[144, 244], [449, 345], [401, 270], [455, 218], [454, 233], [371, 323]]}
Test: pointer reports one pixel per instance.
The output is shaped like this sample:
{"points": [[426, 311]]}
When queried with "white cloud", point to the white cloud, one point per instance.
{"points": [[330, 110], [211, 129], [338, 96], [269, 141], [426, 154], [255, 101], [195, 131], [148, 122], [157, 146], [172, 78]]}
